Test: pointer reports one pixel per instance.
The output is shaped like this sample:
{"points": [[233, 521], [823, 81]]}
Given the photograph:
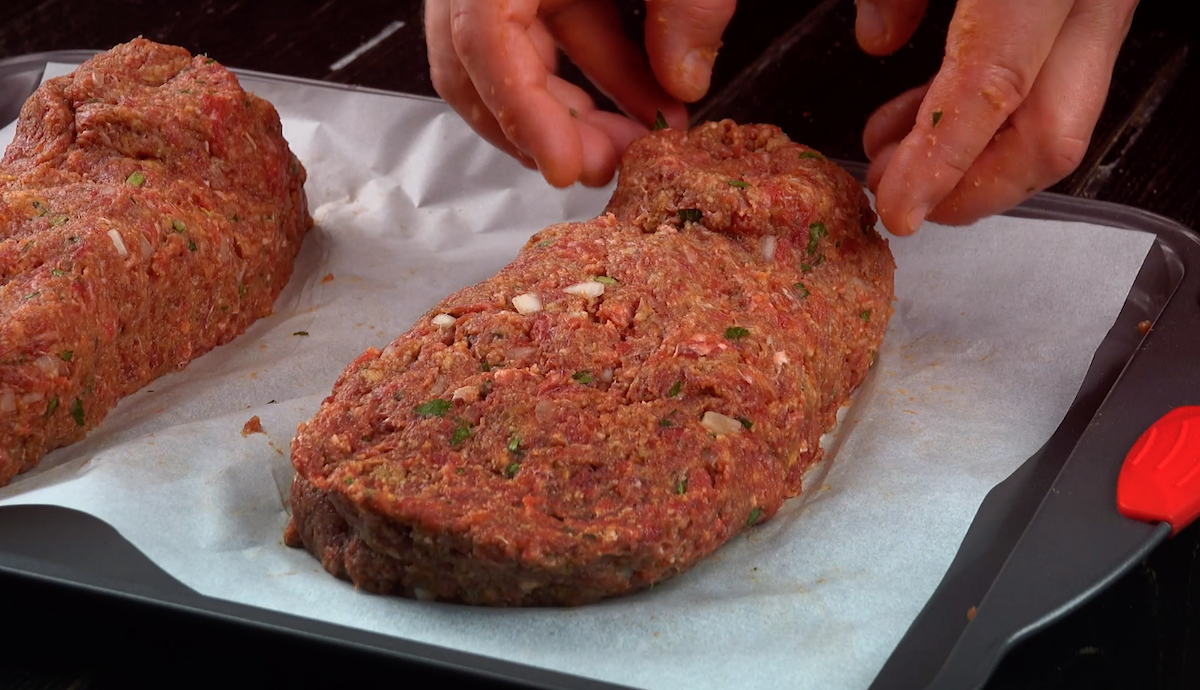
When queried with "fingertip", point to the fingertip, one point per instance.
{"points": [[879, 166], [902, 216], [599, 159], [676, 115], [682, 40], [883, 26], [694, 75], [620, 130], [869, 28], [559, 156]]}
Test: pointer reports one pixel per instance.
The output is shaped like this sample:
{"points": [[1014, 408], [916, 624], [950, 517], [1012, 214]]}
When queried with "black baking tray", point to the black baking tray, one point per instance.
{"points": [[66, 555]]}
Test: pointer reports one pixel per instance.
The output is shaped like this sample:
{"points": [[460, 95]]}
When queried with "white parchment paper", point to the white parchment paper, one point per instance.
{"points": [[994, 329]]}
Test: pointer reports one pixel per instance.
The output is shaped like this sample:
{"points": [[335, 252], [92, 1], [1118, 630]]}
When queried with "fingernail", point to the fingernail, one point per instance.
{"points": [[870, 22], [696, 71], [916, 217]]}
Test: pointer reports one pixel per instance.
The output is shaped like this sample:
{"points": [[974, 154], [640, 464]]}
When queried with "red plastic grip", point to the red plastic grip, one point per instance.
{"points": [[1160, 480]]}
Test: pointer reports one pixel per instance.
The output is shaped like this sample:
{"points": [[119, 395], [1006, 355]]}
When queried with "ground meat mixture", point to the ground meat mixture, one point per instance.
{"points": [[626, 396], [150, 210]]}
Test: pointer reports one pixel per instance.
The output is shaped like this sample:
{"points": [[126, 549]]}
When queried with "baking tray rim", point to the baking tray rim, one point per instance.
{"points": [[1045, 205]]}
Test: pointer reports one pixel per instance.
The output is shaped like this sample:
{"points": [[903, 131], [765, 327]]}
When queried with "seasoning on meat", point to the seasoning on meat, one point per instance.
{"points": [[150, 210], [554, 446]]}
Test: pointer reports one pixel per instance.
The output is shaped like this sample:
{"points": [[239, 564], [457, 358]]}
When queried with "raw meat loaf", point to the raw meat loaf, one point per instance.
{"points": [[626, 396], [150, 210]]}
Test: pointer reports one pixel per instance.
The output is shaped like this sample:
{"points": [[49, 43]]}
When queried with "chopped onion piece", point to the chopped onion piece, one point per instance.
{"points": [[444, 320], [519, 353], [588, 288], [606, 375], [8, 401], [781, 358], [719, 424], [768, 247], [32, 398], [47, 364], [469, 393], [118, 243], [544, 410], [147, 248], [528, 303]]}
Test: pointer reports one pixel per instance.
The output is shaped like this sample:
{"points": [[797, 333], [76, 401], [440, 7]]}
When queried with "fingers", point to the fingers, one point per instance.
{"points": [[985, 76], [1050, 131], [451, 81], [491, 38], [879, 164], [591, 34], [621, 131], [682, 39], [892, 121], [600, 155], [883, 26]]}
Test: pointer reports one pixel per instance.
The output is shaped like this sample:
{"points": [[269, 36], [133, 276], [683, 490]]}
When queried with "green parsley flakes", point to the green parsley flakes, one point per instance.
{"points": [[67, 355], [462, 432], [801, 290], [178, 226], [58, 272], [434, 408], [815, 232], [754, 516], [681, 486], [675, 389], [746, 422], [514, 445], [666, 423], [512, 469], [584, 376], [736, 332], [606, 280], [660, 122], [52, 406], [136, 178], [192, 245], [77, 412], [301, 333], [59, 220], [740, 184], [690, 215], [937, 117], [811, 154], [865, 315]]}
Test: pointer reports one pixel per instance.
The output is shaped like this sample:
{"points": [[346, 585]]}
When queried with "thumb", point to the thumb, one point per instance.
{"points": [[682, 39], [884, 26]]}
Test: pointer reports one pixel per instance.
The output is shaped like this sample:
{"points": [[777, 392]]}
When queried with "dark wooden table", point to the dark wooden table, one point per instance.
{"points": [[794, 64]]}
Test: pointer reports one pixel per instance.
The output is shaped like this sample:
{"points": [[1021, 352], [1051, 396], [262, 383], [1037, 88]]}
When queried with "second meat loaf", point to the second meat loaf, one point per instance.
{"points": [[619, 401], [150, 210]]}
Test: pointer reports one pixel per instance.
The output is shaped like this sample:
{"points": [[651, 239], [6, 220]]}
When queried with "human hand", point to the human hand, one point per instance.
{"points": [[494, 62], [1010, 112]]}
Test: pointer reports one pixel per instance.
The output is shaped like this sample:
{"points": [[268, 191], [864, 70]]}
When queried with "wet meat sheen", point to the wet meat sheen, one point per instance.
{"points": [[627, 395], [150, 210]]}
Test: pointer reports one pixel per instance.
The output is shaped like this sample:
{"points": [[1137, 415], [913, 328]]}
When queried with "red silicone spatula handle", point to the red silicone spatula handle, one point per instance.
{"points": [[1160, 480]]}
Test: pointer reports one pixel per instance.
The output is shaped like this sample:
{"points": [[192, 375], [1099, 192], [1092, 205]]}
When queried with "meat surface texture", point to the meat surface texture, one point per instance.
{"points": [[150, 210], [622, 399]]}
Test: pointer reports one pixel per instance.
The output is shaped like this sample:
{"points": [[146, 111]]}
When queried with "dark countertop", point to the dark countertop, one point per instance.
{"points": [[794, 64]]}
